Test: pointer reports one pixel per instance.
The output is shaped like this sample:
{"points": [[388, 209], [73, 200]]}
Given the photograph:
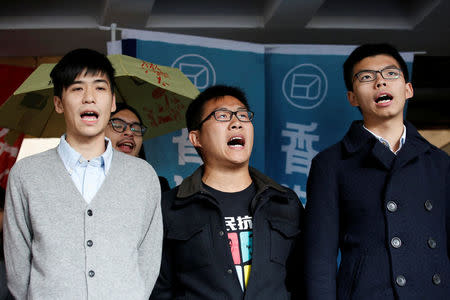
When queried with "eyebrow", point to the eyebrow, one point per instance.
{"points": [[224, 108], [386, 67], [391, 66], [120, 119], [95, 81]]}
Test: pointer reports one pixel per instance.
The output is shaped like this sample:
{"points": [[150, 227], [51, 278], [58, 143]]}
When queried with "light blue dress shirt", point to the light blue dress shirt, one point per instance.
{"points": [[386, 143], [87, 175]]}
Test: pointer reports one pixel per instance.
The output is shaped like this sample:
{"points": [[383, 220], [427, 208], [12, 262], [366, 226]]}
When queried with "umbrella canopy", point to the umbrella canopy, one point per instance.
{"points": [[160, 94]]}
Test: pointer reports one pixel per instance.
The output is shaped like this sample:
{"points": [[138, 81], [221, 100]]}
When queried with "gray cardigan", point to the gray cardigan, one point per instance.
{"points": [[59, 247]]}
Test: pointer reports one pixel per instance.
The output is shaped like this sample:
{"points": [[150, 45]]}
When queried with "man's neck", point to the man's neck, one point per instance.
{"points": [[390, 130], [228, 180], [88, 147]]}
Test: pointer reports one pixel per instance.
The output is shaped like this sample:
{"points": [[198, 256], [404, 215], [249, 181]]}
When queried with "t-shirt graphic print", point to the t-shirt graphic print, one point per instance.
{"points": [[240, 239]]}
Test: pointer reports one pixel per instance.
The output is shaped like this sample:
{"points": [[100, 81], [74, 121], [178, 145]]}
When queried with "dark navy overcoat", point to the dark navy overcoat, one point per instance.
{"points": [[388, 214]]}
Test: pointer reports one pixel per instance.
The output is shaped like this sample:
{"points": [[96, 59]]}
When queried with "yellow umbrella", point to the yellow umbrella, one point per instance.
{"points": [[160, 94]]}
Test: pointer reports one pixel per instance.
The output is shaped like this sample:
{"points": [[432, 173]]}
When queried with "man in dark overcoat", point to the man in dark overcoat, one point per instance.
{"points": [[380, 196], [230, 232]]}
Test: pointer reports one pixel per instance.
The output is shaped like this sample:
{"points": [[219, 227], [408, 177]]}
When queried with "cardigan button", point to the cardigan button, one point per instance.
{"points": [[391, 206], [428, 205], [89, 212], [91, 273], [229, 271], [221, 233], [396, 242], [89, 243], [436, 279], [400, 280]]}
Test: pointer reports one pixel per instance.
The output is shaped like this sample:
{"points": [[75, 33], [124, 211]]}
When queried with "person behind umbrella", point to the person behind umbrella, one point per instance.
{"points": [[82, 220], [125, 130], [381, 196], [229, 230]]}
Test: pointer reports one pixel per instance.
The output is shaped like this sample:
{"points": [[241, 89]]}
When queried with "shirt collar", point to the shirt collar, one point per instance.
{"points": [[71, 157], [107, 155], [386, 143]]}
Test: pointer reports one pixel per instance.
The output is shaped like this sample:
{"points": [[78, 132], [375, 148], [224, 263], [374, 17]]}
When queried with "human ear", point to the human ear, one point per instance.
{"points": [[352, 98], [194, 138], [57, 101], [113, 106], [409, 91]]}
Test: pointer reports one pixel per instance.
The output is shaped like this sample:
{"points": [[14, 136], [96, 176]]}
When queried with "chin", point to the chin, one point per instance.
{"points": [[239, 162]]}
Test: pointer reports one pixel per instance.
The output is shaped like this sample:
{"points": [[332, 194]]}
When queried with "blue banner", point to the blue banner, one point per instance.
{"points": [[309, 111], [296, 91]]}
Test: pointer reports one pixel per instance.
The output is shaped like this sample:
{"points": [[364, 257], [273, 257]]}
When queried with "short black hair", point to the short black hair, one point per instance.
{"points": [[75, 62], [367, 50], [122, 106], [194, 111]]}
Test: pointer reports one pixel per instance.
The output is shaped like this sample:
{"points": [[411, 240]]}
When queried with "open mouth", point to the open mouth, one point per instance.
{"points": [[89, 116], [126, 146], [236, 142], [384, 98]]}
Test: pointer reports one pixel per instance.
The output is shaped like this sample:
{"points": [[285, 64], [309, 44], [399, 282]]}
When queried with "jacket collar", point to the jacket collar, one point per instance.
{"points": [[357, 139], [414, 145], [192, 185]]}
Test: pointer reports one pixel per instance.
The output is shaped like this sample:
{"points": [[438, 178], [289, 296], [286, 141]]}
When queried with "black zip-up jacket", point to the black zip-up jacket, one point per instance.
{"points": [[197, 261]]}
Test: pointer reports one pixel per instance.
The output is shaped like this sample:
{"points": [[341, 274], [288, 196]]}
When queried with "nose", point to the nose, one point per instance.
{"points": [[380, 81], [88, 96], [128, 131], [235, 123]]}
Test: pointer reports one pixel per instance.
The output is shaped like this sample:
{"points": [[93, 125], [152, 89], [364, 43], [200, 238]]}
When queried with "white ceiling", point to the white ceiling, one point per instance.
{"points": [[54, 27]]}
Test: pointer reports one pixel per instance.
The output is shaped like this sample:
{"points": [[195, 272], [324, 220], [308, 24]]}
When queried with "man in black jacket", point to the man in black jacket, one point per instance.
{"points": [[230, 231]]}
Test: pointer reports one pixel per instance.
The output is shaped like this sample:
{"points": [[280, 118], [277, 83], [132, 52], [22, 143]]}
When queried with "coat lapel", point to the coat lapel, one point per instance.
{"points": [[359, 140], [383, 155], [414, 146]]}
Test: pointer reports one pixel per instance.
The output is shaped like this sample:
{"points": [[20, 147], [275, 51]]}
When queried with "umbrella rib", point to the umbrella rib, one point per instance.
{"points": [[123, 67], [46, 122], [121, 95]]}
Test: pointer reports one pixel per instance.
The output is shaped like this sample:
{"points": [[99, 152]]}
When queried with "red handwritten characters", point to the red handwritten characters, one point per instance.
{"points": [[161, 76], [166, 108]]}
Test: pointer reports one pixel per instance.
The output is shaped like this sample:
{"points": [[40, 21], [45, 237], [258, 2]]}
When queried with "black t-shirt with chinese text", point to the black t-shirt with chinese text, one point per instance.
{"points": [[235, 208]]}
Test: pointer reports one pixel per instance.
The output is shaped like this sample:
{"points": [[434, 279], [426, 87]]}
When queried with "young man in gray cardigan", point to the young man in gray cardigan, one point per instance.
{"points": [[83, 221]]}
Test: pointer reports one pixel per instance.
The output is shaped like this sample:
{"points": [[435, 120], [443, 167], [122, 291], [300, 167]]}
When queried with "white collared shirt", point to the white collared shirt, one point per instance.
{"points": [[386, 143], [87, 175]]}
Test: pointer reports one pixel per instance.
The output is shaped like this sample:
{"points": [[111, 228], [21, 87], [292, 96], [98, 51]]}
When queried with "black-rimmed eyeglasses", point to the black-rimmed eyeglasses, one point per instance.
{"points": [[389, 73], [119, 125], [225, 115]]}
